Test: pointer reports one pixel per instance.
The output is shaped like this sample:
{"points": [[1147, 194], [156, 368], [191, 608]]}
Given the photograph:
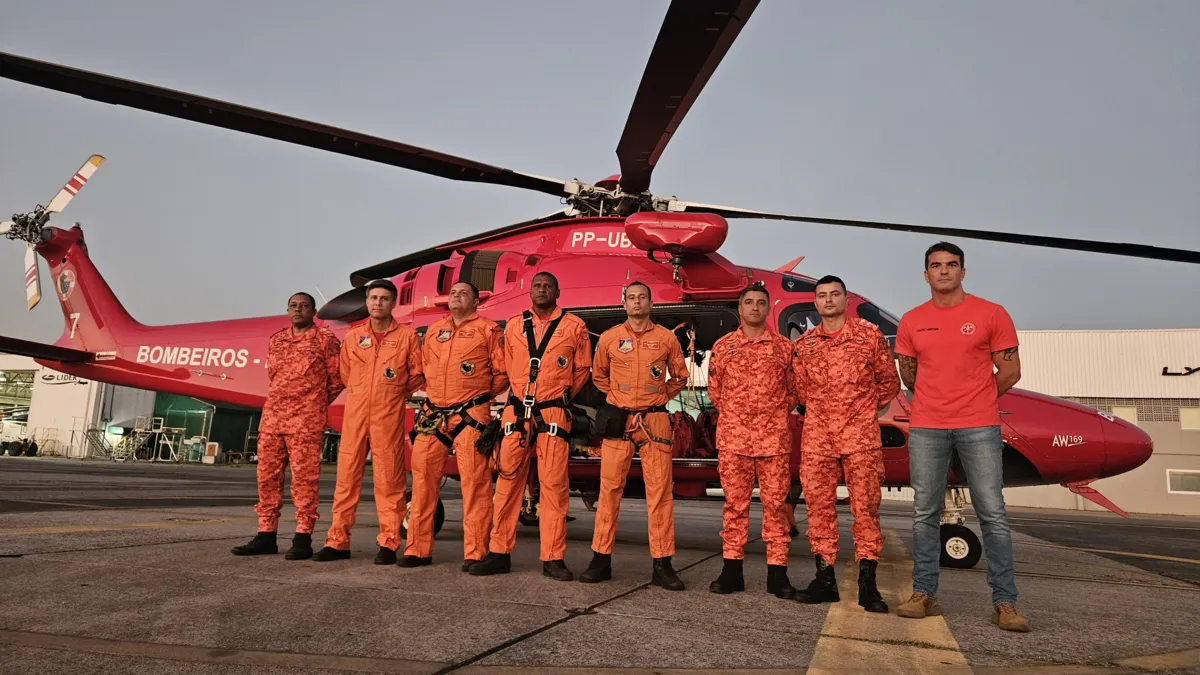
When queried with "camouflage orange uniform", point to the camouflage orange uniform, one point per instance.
{"points": [[631, 368], [843, 379], [379, 371], [463, 365], [750, 381], [304, 379], [563, 372]]}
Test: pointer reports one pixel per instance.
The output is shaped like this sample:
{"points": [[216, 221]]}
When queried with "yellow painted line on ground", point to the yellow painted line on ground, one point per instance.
{"points": [[855, 640], [74, 529], [1149, 556]]}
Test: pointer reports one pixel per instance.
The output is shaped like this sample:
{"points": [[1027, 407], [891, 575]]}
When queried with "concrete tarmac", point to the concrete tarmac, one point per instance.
{"points": [[125, 568]]}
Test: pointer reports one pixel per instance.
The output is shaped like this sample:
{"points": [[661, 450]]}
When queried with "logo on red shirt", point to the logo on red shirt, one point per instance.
{"points": [[968, 328]]}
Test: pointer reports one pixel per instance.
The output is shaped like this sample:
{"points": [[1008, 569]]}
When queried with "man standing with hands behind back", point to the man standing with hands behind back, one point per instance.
{"points": [[302, 366], [947, 349], [752, 385], [638, 366], [381, 366], [845, 377], [548, 356]]}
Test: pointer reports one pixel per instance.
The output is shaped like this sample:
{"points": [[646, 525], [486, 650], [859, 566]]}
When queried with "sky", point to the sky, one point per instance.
{"points": [[1073, 118]]}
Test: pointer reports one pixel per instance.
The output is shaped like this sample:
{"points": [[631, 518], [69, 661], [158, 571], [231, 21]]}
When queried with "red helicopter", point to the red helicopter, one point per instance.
{"points": [[610, 233]]}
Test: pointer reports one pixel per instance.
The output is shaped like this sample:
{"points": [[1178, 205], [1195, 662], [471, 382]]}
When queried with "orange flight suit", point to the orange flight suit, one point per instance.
{"points": [[631, 369], [564, 370], [843, 380], [379, 373], [462, 363], [304, 379], [751, 383]]}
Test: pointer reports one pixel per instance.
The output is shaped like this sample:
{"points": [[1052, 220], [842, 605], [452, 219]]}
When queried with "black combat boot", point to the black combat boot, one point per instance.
{"points": [[868, 594], [468, 563], [731, 580], [414, 561], [600, 569], [778, 583], [301, 547], [492, 563], [263, 543], [823, 588], [664, 575], [329, 553], [386, 556], [557, 570]]}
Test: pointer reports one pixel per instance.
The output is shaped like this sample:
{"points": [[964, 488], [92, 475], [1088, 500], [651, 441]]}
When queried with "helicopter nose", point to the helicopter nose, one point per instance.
{"points": [[1126, 447]]}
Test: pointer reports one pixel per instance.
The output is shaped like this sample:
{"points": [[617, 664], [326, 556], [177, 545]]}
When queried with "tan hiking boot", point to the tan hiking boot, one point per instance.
{"points": [[1006, 616], [919, 606]]}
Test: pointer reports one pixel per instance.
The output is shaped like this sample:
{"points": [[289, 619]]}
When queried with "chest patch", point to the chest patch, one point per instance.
{"points": [[656, 372], [625, 345], [562, 361], [467, 368], [967, 328], [389, 374], [650, 345], [364, 341], [443, 335], [466, 333]]}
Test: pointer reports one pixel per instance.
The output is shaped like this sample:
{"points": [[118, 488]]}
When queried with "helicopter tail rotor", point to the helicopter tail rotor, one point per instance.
{"points": [[73, 186], [33, 279], [28, 227]]}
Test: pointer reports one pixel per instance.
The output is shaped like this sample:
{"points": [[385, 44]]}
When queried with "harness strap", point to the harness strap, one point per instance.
{"points": [[437, 417], [536, 350], [639, 417]]}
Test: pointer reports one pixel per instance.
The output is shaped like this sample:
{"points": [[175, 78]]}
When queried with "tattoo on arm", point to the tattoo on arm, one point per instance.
{"points": [[1009, 353], [908, 371]]}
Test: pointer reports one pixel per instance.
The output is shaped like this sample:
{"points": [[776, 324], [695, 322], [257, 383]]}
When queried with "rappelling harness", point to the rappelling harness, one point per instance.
{"points": [[435, 420], [527, 408]]}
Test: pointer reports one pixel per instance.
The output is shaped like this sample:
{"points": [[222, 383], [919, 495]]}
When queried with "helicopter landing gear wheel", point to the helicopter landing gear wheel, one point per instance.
{"points": [[439, 517], [961, 549]]}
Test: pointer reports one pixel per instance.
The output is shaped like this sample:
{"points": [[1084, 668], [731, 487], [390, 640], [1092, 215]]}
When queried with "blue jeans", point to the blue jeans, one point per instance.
{"points": [[981, 452]]}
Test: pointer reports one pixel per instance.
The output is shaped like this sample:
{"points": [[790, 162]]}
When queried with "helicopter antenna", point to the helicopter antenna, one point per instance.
{"points": [[323, 300]]}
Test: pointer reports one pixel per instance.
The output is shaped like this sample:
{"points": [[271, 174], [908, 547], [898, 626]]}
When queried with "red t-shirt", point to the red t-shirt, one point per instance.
{"points": [[956, 385]]}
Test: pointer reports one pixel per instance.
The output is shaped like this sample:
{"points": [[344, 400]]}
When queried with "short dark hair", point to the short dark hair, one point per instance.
{"points": [[638, 283], [829, 279], [383, 283], [550, 276], [311, 302], [946, 247], [474, 290], [754, 287]]}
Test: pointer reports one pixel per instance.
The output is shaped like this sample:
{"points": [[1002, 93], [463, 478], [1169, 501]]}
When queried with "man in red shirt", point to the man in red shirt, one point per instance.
{"points": [[304, 375], [751, 383], [958, 355]]}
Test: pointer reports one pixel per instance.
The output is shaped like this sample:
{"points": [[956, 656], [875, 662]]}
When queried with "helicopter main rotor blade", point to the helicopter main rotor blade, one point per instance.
{"points": [[1112, 248], [694, 37], [108, 89]]}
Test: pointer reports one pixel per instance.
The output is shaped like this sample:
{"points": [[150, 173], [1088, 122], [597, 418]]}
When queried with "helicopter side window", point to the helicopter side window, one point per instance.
{"points": [[797, 319], [888, 324]]}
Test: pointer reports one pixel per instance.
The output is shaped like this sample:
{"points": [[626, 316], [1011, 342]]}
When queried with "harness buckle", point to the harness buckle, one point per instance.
{"points": [[553, 430], [508, 429]]}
